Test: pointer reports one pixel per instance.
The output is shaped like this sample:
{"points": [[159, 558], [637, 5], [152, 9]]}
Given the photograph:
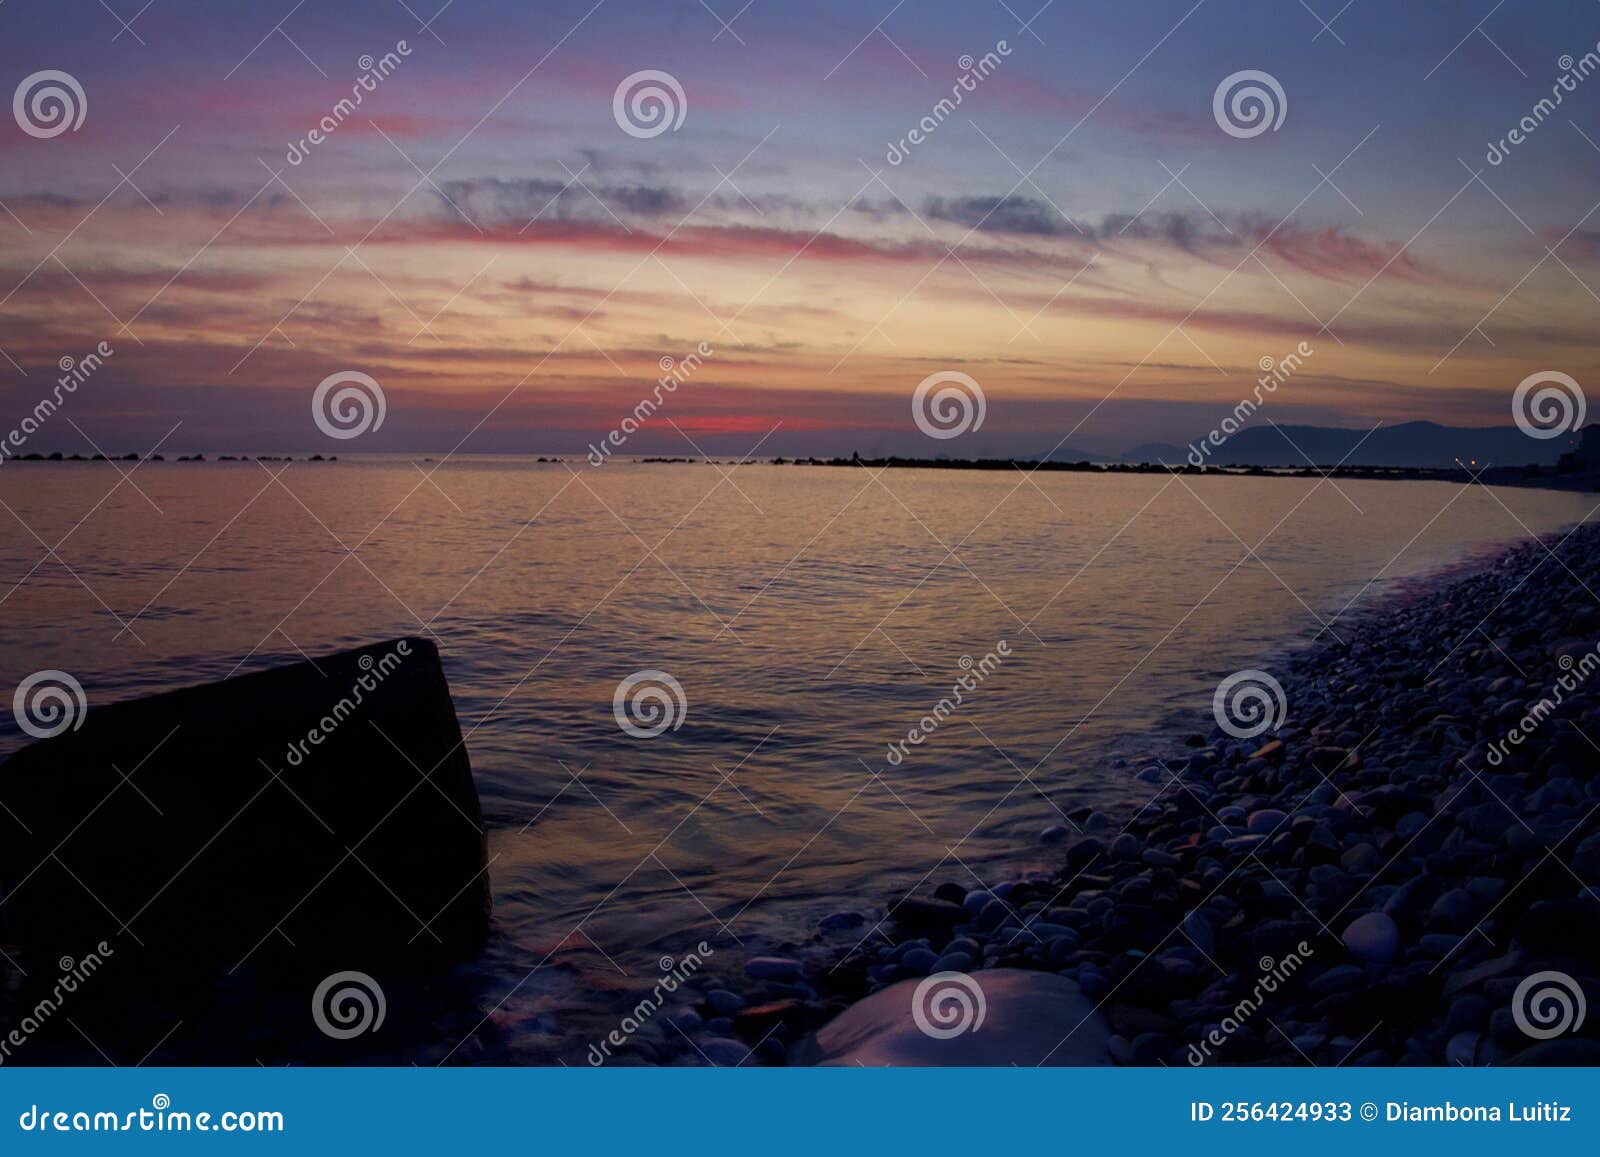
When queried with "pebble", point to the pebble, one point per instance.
{"points": [[772, 968], [1265, 822], [1467, 1011], [1462, 1049], [919, 961], [1586, 858], [1374, 938], [995, 913], [1452, 910], [1199, 930], [1362, 858]]}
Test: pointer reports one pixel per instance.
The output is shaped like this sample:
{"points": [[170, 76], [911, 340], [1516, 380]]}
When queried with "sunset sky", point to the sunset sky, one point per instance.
{"points": [[1080, 236]]}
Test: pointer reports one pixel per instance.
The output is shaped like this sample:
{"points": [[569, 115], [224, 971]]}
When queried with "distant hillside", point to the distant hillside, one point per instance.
{"points": [[1419, 444], [1153, 452], [1073, 454]]}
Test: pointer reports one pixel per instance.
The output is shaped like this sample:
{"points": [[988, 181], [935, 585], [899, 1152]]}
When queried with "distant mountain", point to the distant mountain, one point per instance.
{"points": [[1155, 452], [1074, 454], [1424, 444]]}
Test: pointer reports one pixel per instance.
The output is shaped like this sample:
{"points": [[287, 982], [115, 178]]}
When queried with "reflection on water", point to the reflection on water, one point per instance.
{"points": [[812, 617]]}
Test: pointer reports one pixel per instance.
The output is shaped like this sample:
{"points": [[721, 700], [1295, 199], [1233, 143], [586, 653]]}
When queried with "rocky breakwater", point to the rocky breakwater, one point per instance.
{"points": [[1404, 870], [220, 851]]}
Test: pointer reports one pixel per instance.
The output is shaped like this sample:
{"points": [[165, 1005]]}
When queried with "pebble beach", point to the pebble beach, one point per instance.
{"points": [[1402, 871]]}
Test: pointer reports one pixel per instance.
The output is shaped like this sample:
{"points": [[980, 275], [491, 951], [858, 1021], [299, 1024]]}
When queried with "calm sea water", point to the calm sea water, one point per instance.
{"points": [[810, 615]]}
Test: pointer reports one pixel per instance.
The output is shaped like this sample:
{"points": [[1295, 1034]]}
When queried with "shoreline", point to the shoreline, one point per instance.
{"points": [[1369, 883], [1530, 476]]}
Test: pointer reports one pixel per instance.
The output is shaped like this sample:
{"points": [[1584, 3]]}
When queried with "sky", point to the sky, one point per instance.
{"points": [[1082, 237]]}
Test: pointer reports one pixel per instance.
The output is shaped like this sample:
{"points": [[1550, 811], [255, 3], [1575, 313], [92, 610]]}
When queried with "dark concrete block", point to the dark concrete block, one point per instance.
{"points": [[296, 821]]}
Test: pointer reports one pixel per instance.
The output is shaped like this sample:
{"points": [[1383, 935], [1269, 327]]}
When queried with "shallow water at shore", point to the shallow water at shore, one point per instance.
{"points": [[811, 616]]}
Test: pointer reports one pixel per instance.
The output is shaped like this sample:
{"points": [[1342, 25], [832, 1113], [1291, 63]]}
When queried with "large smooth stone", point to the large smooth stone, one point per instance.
{"points": [[1028, 1018], [1374, 938]]}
